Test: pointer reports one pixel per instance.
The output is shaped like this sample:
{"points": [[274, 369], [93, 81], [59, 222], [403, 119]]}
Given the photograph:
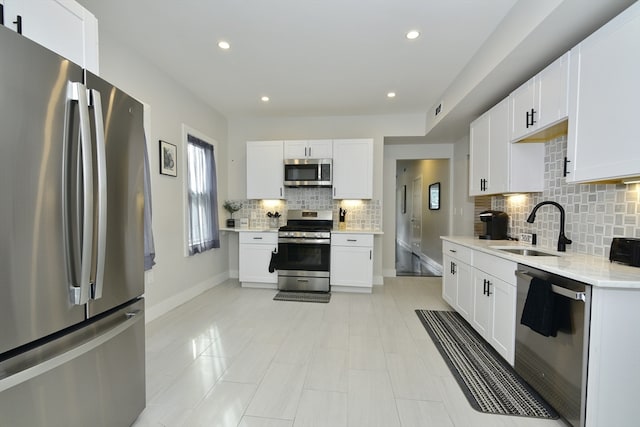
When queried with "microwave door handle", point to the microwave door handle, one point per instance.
{"points": [[101, 157]]}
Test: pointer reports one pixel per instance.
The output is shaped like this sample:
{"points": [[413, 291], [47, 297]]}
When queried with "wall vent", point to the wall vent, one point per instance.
{"points": [[438, 109]]}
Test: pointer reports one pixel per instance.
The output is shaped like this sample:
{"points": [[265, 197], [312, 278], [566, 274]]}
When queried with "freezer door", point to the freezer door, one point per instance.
{"points": [[35, 298], [94, 376], [118, 272]]}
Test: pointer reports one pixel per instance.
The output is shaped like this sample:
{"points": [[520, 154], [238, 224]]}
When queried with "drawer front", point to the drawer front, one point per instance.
{"points": [[266, 237], [352, 239], [498, 267], [459, 252]]}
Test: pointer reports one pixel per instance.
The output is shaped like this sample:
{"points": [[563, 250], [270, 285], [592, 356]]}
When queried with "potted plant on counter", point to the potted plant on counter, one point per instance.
{"points": [[232, 206]]}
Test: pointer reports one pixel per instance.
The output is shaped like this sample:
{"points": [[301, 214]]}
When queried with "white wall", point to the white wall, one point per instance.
{"points": [[376, 127], [175, 278], [463, 206]]}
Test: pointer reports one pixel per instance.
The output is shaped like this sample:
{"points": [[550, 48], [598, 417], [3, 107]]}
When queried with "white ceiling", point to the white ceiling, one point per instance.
{"points": [[311, 57], [341, 57]]}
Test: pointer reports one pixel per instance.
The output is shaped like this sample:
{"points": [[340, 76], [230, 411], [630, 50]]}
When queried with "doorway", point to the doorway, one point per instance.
{"points": [[418, 228]]}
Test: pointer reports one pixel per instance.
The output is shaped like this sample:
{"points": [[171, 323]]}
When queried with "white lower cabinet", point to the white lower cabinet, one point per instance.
{"points": [[352, 260], [457, 286], [482, 288], [494, 312], [255, 250]]}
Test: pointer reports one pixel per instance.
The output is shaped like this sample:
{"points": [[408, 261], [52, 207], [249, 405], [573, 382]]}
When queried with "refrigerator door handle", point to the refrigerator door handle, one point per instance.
{"points": [[80, 292], [101, 157]]}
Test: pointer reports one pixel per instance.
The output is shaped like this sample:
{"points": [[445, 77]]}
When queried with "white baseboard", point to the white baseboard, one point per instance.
{"points": [[391, 272], [351, 289], [163, 307], [259, 285], [378, 280]]}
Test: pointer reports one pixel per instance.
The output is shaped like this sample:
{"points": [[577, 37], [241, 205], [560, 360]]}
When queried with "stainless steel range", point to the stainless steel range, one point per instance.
{"points": [[304, 246]]}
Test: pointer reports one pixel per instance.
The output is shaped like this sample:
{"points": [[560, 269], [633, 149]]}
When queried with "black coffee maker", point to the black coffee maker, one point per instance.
{"points": [[495, 225]]}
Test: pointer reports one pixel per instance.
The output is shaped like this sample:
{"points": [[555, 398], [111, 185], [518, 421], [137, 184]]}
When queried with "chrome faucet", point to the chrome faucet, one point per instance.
{"points": [[562, 239]]}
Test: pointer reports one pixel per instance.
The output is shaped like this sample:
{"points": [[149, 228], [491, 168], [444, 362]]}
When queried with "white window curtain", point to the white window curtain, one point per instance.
{"points": [[204, 233]]}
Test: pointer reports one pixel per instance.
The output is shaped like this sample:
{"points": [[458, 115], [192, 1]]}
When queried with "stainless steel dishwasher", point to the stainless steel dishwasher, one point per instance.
{"points": [[556, 366]]}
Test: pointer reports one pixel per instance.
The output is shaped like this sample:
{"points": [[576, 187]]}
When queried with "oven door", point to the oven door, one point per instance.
{"points": [[303, 264], [303, 254]]}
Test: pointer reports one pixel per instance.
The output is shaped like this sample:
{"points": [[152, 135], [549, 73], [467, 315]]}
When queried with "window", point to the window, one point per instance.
{"points": [[202, 198]]}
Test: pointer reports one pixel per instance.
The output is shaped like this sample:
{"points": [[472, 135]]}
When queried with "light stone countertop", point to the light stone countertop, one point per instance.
{"points": [[355, 231], [596, 271]]}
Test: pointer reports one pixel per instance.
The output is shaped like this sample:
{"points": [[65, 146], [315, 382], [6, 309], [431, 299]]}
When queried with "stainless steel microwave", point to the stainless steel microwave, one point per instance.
{"points": [[308, 172]]}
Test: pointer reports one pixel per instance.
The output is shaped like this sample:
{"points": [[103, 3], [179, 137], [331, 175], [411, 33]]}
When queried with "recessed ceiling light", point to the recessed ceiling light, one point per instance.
{"points": [[413, 34], [265, 99], [224, 45], [391, 95]]}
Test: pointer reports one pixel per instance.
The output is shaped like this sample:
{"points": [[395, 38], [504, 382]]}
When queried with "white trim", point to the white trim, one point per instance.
{"points": [[391, 272], [177, 300], [352, 289]]}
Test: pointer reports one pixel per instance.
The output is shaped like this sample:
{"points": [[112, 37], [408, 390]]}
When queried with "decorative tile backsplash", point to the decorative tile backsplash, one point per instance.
{"points": [[361, 214], [595, 213]]}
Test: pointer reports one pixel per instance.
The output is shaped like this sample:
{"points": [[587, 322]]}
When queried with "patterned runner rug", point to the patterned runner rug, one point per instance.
{"points": [[302, 296], [489, 382]]}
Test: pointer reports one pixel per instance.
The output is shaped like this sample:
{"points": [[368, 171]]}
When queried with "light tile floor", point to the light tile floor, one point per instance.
{"points": [[234, 357]]}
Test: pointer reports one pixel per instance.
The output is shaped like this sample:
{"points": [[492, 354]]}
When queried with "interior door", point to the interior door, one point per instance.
{"points": [[416, 215], [34, 114]]}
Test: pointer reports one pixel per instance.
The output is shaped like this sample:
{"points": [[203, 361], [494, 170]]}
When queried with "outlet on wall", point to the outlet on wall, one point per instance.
{"points": [[528, 238]]}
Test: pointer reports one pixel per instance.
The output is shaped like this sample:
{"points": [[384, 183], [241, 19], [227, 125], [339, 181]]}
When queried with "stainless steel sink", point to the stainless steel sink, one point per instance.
{"points": [[526, 252]]}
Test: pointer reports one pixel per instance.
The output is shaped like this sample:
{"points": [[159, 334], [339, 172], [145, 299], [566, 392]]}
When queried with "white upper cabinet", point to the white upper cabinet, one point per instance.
{"points": [[604, 136], [308, 149], [541, 103], [62, 26], [489, 152], [353, 168], [265, 170], [496, 166]]}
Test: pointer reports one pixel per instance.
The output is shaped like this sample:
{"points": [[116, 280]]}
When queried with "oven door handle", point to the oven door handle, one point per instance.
{"points": [[556, 289], [304, 241]]}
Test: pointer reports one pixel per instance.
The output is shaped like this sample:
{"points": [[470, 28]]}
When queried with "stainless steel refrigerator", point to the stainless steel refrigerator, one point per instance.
{"points": [[71, 244]]}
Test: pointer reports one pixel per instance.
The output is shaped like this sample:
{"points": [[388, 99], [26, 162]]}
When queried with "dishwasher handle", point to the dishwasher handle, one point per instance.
{"points": [[556, 289]]}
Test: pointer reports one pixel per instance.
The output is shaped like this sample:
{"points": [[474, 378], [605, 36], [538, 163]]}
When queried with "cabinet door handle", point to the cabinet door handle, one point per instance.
{"points": [[352, 240], [488, 288], [565, 171], [257, 238], [484, 287], [280, 191], [533, 117], [453, 250], [305, 151], [18, 23], [531, 120], [309, 151], [370, 254], [453, 267]]}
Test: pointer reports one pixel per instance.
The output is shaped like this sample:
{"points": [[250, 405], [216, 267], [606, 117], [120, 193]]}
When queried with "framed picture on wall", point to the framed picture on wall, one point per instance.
{"points": [[434, 196], [168, 159]]}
